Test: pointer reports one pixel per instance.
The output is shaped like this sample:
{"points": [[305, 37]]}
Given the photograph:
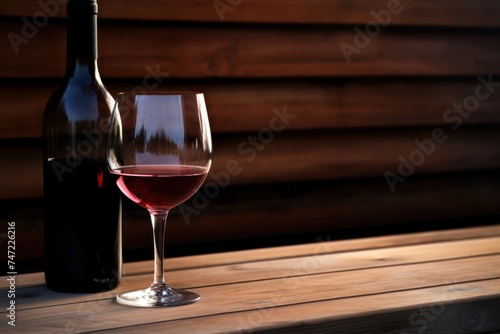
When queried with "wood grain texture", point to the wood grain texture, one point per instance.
{"points": [[467, 13], [273, 291], [265, 157], [316, 104], [319, 318], [187, 51], [320, 247], [294, 267], [371, 290]]}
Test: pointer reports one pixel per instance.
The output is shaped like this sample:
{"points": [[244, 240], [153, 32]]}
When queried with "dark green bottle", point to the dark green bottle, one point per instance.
{"points": [[82, 204]]}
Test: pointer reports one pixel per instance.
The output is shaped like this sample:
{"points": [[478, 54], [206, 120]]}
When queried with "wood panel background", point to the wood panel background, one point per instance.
{"points": [[418, 72]]}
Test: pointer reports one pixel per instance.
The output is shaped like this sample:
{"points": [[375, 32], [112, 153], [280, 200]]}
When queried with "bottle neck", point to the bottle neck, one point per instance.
{"points": [[81, 40]]}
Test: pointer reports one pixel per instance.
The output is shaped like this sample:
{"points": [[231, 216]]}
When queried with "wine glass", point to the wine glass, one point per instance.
{"points": [[160, 148]]}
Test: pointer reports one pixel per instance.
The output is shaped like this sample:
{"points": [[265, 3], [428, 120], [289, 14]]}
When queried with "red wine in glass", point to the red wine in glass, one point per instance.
{"points": [[160, 187]]}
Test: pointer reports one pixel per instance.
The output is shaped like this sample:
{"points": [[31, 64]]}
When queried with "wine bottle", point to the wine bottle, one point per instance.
{"points": [[82, 204]]}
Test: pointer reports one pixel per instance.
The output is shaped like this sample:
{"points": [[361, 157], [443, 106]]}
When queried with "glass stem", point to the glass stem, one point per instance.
{"points": [[159, 220]]}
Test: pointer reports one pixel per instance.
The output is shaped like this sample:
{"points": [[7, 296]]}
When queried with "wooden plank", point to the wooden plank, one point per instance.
{"points": [[444, 290], [292, 157], [214, 51], [249, 106], [310, 264], [338, 155], [377, 313], [320, 247], [330, 263], [467, 13], [220, 299]]}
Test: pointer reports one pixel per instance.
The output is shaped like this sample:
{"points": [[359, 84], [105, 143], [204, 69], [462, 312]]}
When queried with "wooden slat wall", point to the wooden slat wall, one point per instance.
{"points": [[201, 51], [350, 119], [421, 13]]}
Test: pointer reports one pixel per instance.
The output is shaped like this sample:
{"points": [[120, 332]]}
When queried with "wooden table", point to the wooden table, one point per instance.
{"points": [[433, 282]]}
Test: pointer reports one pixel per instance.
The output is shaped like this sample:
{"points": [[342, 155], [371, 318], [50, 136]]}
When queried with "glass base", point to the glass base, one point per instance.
{"points": [[157, 296]]}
